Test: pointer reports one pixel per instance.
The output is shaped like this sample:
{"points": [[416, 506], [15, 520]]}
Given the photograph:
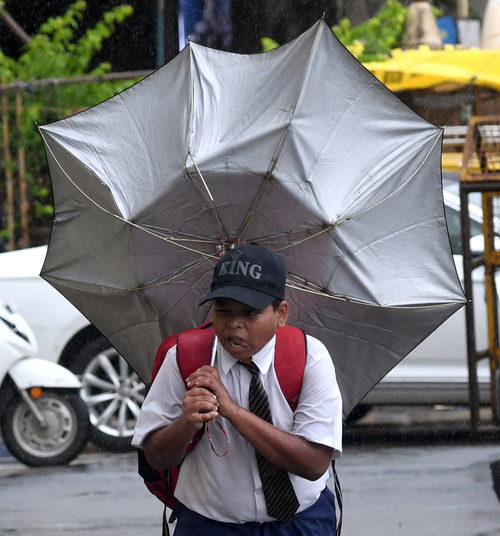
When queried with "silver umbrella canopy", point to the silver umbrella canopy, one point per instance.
{"points": [[299, 149]]}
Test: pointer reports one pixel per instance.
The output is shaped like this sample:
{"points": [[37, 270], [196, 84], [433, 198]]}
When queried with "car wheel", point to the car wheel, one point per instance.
{"points": [[112, 391]]}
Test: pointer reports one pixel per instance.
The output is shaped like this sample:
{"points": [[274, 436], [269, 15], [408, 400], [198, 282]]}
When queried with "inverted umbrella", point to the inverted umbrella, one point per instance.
{"points": [[301, 150]]}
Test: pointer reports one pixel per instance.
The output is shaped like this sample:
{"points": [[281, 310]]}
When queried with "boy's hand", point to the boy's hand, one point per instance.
{"points": [[207, 378], [199, 405]]}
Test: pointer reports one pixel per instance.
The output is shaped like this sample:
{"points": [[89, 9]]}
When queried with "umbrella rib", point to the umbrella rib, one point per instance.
{"points": [[191, 114], [190, 154], [184, 237], [253, 207], [210, 200], [121, 218], [424, 160], [281, 142], [298, 242], [171, 277], [310, 288], [201, 177]]}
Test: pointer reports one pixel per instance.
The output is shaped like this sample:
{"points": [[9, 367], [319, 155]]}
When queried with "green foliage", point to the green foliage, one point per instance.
{"points": [[58, 50], [268, 44], [372, 40], [54, 52]]}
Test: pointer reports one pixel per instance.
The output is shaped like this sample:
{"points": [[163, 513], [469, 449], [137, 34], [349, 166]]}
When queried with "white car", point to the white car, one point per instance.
{"points": [[436, 372], [112, 391]]}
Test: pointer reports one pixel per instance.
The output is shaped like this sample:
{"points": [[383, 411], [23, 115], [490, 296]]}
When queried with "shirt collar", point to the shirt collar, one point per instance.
{"points": [[262, 359]]}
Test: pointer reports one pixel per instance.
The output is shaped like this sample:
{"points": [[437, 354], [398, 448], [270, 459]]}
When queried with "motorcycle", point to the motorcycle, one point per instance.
{"points": [[43, 419]]}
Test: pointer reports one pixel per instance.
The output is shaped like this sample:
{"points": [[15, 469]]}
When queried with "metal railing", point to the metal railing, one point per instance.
{"points": [[480, 172]]}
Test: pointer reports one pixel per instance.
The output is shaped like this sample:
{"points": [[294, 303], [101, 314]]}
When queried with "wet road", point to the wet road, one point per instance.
{"points": [[435, 490], [98, 494], [414, 471], [398, 478]]}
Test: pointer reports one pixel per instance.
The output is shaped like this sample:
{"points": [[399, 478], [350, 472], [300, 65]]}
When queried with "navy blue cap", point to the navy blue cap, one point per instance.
{"points": [[249, 274]]}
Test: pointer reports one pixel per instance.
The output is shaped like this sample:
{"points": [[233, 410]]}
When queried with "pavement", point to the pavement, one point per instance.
{"points": [[418, 425], [424, 415], [10, 466], [382, 425]]}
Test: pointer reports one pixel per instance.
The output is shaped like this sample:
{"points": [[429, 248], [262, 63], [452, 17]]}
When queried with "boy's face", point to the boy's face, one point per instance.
{"points": [[244, 331]]}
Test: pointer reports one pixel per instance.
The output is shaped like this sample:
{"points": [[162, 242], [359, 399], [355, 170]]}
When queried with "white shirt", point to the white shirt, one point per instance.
{"points": [[228, 488]]}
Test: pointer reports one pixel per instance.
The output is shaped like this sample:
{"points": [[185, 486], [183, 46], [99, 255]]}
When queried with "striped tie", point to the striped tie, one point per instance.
{"points": [[281, 501]]}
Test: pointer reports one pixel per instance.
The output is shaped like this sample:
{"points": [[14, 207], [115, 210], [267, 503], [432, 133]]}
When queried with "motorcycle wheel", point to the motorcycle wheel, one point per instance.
{"points": [[61, 441]]}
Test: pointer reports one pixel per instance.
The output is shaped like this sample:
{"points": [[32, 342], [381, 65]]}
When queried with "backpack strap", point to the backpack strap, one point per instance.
{"points": [[190, 339], [290, 361], [338, 495], [194, 349]]}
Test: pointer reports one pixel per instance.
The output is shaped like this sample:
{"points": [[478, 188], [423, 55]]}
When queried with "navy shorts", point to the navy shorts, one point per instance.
{"points": [[317, 520]]}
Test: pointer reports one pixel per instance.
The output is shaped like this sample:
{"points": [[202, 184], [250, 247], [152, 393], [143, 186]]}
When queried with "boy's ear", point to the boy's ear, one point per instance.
{"points": [[282, 314]]}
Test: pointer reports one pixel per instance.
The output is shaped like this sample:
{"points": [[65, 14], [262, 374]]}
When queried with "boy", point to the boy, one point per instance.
{"points": [[225, 495]]}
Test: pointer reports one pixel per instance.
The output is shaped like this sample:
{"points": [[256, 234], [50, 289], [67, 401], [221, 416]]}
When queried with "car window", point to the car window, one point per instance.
{"points": [[454, 229]]}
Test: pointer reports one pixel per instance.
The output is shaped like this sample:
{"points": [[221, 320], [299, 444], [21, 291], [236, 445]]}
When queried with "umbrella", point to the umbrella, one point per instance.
{"points": [[445, 70], [301, 150]]}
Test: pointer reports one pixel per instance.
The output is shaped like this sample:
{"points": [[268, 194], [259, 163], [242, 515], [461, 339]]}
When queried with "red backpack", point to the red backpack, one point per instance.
{"points": [[194, 349]]}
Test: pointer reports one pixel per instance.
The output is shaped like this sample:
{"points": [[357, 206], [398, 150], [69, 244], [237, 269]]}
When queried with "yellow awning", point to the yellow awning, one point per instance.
{"points": [[444, 70]]}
